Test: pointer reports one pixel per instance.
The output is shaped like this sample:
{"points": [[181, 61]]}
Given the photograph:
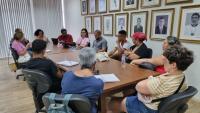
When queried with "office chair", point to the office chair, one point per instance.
{"points": [[150, 53], [18, 65], [177, 103], [55, 41], [78, 103], [88, 45], [39, 83]]}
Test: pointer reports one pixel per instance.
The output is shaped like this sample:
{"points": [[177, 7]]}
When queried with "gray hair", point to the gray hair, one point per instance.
{"points": [[87, 57]]}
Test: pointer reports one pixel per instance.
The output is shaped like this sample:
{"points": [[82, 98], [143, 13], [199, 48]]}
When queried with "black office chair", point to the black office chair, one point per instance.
{"points": [[177, 103], [55, 41], [88, 45], [39, 83], [150, 53], [18, 65], [78, 103]]}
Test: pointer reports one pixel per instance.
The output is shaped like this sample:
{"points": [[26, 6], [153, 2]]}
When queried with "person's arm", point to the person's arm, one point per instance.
{"points": [[104, 47], [142, 87], [158, 61], [133, 56], [112, 52]]}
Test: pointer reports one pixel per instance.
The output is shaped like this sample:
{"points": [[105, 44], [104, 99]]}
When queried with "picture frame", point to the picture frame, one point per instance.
{"points": [[108, 25], [162, 21], [189, 31], [121, 22], [150, 3], [169, 2], [97, 23], [88, 23], [138, 22], [114, 5], [130, 4], [102, 6], [84, 7], [92, 6]]}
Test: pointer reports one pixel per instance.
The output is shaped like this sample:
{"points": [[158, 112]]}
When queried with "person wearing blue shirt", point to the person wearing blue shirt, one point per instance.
{"points": [[83, 81]]}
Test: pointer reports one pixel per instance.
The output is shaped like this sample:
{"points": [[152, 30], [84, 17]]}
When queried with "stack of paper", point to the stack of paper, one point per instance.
{"points": [[68, 63], [107, 77], [48, 50]]}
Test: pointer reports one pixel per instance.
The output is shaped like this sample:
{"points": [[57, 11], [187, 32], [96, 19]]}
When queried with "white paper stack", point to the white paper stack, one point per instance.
{"points": [[48, 50], [108, 77], [68, 63]]}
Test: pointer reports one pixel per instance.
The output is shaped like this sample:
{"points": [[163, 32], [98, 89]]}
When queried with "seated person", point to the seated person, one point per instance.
{"points": [[39, 34], [41, 63], [99, 44], [139, 49], [159, 60], [65, 38], [83, 80], [176, 60], [19, 47], [83, 41], [24, 40], [121, 45]]}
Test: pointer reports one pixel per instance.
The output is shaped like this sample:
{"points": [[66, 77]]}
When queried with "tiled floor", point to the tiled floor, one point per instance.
{"points": [[15, 96]]}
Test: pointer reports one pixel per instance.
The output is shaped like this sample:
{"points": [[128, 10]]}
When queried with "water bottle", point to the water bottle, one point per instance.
{"points": [[123, 59]]}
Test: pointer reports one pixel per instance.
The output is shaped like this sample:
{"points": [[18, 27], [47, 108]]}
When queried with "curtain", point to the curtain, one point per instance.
{"points": [[13, 14], [48, 16]]}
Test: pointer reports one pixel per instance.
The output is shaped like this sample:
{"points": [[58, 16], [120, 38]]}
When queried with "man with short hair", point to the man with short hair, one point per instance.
{"points": [[121, 45], [41, 63], [193, 29], [65, 38], [161, 28], [138, 27], [100, 44]]}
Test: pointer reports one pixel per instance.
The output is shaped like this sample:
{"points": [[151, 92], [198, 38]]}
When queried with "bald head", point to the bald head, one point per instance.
{"points": [[97, 34]]}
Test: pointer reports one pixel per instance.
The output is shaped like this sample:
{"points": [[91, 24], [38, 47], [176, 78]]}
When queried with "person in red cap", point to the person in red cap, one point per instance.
{"points": [[139, 49]]}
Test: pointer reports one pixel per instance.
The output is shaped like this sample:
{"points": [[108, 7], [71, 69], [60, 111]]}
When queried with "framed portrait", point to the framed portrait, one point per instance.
{"points": [[189, 26], [177, 1], [161, 23], [121, 22], [130, 4], [102, 6], [84, 7], [88, 23], [92, 6], [150, 3], [108, 25], [114, 5], [139, 22], [97, 25]]}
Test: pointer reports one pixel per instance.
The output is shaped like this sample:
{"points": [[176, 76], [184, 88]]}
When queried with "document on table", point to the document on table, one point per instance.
{"points": [[108, 77], [48, 50], [68, 63]]}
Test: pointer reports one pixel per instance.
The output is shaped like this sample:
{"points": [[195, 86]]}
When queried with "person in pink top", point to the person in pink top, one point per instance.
{"points": [[83, 41]]}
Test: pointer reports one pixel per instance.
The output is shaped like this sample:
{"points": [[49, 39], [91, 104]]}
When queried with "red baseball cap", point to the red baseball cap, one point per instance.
{"points": [[139, 36]]}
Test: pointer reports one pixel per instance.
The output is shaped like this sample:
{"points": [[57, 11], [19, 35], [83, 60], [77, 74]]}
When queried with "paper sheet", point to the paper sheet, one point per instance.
{"points": [[108, 77], [68, 63], [48, 50]]}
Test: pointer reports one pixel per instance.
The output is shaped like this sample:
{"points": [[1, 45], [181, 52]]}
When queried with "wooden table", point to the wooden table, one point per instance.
{"points": [[55, 50], [129, 75]]}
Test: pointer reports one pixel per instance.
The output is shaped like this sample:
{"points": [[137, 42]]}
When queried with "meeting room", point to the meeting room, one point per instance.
{"points": [[99, 56]]}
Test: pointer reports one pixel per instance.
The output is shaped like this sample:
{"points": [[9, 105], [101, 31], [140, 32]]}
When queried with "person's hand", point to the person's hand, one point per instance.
{"points": [[28, 45], [63, 68], [127, 53], [131, 56]]}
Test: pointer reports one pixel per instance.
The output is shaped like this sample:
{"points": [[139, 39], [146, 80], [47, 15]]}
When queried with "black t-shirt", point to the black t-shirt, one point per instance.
{"points": [[49, 67], [142, 51]]}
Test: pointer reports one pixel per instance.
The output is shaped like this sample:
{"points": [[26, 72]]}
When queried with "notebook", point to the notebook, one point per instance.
{"points": [[108, 77]]}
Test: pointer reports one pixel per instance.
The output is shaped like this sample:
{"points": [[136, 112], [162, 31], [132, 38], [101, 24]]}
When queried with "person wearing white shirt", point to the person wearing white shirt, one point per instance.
{"points": [[121, 45], [193, 29]]}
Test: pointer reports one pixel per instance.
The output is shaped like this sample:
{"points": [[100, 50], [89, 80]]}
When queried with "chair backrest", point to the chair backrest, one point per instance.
{"points": [[14, 54], [37, 81], [55, 41], [150, 53], [175, 103], [88, 45], [78, 103]]}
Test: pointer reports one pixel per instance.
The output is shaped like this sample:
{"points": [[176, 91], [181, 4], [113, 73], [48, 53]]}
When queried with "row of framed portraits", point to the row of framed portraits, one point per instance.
{"points": [[100, 6], [161, 26]]}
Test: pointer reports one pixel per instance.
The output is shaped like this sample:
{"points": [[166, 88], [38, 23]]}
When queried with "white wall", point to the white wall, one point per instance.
{"points": [[74, 23]]}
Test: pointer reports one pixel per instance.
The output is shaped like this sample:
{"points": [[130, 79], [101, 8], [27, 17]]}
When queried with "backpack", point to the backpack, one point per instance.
{"points": [[59, 107]]}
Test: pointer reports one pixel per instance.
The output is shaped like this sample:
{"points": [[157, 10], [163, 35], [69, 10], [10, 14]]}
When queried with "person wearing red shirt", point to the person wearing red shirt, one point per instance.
{"points": [[65, 38]]}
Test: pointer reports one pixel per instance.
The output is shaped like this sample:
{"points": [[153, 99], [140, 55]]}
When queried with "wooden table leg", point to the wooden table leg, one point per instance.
{"points": [[103, 103]]}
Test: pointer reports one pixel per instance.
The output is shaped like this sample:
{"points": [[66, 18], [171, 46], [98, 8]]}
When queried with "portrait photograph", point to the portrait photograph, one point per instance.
{"points": [[84, 7], [92, 6], [121, 22], [190, 24], [162, 23], [150, 3], [178, 1], [114, 5], [108, 25], [130, 4], [139, 22], [97, 23], [88, 23], [102, 6]]}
